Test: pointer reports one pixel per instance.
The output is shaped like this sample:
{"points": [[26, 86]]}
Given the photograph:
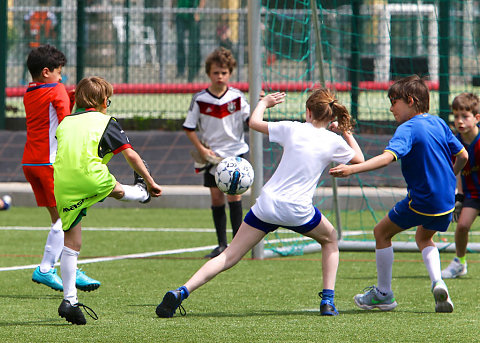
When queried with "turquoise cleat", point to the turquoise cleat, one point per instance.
{"points": [[85, 283], [50, 278]]}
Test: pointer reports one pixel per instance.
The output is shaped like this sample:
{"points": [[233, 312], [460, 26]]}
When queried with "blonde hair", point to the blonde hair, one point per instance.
{"points": [[92, 91], [324, 106]]}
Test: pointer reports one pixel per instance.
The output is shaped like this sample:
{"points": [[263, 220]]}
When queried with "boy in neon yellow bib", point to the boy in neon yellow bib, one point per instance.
{"points": [[87, 140]]}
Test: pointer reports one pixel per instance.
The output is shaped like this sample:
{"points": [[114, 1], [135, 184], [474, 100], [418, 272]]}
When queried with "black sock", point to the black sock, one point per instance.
{"points": [[236, 215], [220, 221]]}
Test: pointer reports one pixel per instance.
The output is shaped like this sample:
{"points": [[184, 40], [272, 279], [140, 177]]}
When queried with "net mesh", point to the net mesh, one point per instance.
{"points": [[365, 46]]}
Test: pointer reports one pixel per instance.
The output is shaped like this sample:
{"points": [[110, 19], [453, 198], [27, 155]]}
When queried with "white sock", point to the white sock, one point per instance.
{"points": [[53, 247], [68, 265], [134, 193], [431, 258], [384, 258]]}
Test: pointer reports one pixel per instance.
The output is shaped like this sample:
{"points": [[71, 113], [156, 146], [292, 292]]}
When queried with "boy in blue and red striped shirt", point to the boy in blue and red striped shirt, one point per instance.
{"points": [[466, 111]]}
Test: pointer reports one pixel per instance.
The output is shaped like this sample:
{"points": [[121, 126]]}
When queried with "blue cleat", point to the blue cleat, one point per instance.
{"points": [[327, 307], [50, 278], [171, 301], [85, 283]]}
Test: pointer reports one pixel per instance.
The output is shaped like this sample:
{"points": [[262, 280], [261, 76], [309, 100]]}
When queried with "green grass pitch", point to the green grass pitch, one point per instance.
{"points": [[272, 300]]}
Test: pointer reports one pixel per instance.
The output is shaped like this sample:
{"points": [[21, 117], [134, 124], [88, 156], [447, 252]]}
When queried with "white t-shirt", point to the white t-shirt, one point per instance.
{"points": [[286, 199], [220, 121]]}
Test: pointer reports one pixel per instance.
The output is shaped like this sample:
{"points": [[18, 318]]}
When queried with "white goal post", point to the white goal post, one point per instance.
{"points": [[384, 13]]}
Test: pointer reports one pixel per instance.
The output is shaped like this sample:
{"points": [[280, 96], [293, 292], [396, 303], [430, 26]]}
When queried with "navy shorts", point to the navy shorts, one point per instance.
{"points": [[403, 216], [252, 220]]}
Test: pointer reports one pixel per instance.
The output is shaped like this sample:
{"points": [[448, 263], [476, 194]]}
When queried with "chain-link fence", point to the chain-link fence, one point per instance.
{"points": [[153, 51]]}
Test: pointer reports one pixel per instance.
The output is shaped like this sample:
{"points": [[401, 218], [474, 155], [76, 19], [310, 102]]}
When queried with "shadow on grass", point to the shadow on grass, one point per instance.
{"points": [[32, 297], [53, 322], [273, 313]]}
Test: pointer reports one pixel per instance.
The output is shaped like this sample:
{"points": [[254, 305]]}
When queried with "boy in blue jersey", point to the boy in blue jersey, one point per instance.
{"points": [[425, 144], [466, 112]]}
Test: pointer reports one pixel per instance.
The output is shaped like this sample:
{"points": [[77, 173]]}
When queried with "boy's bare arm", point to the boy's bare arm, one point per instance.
{"points": [[460, 161], [376, 162], [135, 161], [202, 149]]}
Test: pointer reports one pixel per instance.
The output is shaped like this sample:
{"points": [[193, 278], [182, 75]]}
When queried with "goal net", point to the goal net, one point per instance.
{"points": [[365, 46]]}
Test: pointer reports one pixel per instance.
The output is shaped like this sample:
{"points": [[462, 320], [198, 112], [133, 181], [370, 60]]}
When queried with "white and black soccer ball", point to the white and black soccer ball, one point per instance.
{"points": [[234, 175]]}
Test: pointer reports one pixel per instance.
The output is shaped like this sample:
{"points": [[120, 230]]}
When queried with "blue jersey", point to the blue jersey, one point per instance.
{"points": [[425, 145], [471, 172]]}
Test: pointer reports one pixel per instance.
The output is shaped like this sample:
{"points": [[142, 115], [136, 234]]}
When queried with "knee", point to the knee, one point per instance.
{"points": [[462, 229], [73, 245], [117, 193], [378, 233]]}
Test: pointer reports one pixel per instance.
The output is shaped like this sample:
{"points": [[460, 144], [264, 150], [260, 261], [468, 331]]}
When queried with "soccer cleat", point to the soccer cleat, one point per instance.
{"points": [[138, 180], [327, 307], [50, 278], [7, 202], [73, 314], [84, 282], [372, 298], [215, 252], [454, 269], [442, 299], [171, 301]]}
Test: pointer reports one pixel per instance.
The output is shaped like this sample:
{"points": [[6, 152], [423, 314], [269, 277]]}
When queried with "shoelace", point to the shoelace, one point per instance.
{"points": [[87, 309], [182, 311], [320, 294], [370, 289]]}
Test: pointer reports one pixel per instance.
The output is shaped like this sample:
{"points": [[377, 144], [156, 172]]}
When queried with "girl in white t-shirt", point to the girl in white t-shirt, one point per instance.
{"points": [[286, 199]]}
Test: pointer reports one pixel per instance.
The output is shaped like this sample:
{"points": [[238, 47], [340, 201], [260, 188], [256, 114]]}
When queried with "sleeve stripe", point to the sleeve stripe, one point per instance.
{"points": [[394, 154], [458, 153], [120, 149]]}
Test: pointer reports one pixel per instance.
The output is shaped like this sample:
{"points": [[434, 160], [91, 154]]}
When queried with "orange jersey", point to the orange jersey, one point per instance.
{"points": [[46, 104], [40, 26]]}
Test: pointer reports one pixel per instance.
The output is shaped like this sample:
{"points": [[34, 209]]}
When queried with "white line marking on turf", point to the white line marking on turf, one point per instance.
{"points": [[125, 229], [120, 257]]}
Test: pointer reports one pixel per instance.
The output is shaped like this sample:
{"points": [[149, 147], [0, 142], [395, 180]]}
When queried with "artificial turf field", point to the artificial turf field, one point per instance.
{"points": [[273, 300]]}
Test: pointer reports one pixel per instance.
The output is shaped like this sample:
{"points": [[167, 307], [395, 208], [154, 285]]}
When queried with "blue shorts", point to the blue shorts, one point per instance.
{"points": [[253, 221], [404, 217]]}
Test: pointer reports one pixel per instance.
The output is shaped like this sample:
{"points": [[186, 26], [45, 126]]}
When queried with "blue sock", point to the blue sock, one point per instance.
{"points": [[184, 292], [328, 295]]}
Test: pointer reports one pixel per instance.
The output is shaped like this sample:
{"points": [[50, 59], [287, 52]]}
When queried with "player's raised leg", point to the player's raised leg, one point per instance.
{"points": [[246, 238]]}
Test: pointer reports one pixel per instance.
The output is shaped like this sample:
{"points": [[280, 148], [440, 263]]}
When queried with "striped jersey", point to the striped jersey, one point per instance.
{"points": [[46, 104], [220, 121], [470, 174]]}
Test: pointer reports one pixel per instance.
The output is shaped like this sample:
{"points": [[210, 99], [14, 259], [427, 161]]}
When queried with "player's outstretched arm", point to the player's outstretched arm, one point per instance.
{"points": [[256, 121], [376, 162], [135, 161]]}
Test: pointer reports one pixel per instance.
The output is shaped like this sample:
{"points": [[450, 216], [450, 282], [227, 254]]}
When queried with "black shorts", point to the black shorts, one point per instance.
{"points": [[209, 179], [473, 203]]}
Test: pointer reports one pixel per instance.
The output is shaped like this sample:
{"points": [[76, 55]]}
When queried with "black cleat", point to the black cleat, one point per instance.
{"points": [[215, 252], [73, 314], [138, 180], [171, 301]]}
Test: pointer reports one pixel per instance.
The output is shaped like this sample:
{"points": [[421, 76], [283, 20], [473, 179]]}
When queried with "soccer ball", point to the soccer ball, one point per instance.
{"points": [[234, 175]]}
